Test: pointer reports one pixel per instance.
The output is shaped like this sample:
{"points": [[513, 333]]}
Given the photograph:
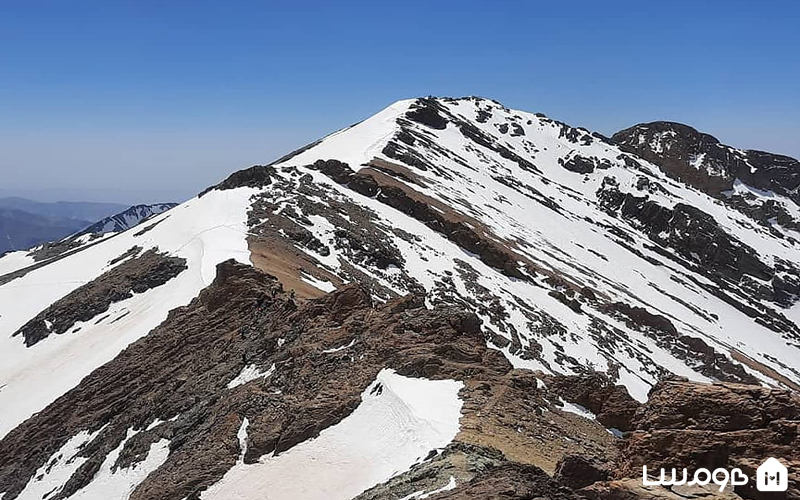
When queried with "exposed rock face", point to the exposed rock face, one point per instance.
{"points": [[255, 176], [692, 425], [611, 404], [426, 112], [512, 481], [576, 471], [136, 275], [700, 160], [410, 203], [698, 240], [693, 233]]}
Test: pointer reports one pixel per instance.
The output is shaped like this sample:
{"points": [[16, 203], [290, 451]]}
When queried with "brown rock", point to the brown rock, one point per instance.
{"points": [[611, 404]]}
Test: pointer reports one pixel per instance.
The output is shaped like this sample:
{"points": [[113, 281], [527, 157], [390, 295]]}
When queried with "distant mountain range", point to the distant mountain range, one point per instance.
{"points": [[127, 219], [26, 223], [20, 230], [85, 211]]}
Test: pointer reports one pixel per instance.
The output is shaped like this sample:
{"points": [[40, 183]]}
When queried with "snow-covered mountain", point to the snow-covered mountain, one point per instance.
{"points": [[127, 218], [428, 271]]}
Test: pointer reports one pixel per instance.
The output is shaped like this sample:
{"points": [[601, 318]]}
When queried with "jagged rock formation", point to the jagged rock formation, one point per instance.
{"points": [[246, 319], [451, 299], [720, 425]]}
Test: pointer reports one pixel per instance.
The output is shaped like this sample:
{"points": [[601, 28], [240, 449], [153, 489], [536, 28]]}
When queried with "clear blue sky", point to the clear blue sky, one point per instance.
{"points": [[139, 100]]}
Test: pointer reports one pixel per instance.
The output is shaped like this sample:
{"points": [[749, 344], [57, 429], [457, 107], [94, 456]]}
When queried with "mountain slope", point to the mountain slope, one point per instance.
{"points": [[439, 247]]}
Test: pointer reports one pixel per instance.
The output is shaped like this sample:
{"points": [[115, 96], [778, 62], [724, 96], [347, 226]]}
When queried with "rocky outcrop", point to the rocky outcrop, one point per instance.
{"points": [[694, 234], [255, 176], [135, 275], [583, 165], [612, 405], [511, 481], [244, 318], [686, 424], [577, 471], [695, 351], [702, 161], [426, 112], [402, 198]]}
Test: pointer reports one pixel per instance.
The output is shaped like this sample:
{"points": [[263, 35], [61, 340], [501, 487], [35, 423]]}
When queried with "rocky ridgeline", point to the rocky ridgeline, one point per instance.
{"points": [[513, 427]]}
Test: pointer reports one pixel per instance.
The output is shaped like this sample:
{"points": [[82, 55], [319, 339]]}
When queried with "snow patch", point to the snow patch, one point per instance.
{"points": [[250, 372], [118, 484], [399, 421], [14, 261], [324, 285], [340, 348], [51, 477], [451, 485], [204, 231]]}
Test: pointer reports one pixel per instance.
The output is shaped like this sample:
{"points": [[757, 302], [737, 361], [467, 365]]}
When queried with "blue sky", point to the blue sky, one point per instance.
{"points": [[148, 100]]}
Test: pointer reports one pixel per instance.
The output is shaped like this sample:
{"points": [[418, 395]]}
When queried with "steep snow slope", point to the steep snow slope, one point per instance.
{"points": [[576, 256]]}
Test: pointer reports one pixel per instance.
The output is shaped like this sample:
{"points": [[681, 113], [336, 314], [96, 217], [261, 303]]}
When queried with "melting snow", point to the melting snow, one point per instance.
{"points": [[451, 485], [118, 484], [52, 476], [578, 410], [340, 348], [250, 372], [324, 285], [14, 261]]}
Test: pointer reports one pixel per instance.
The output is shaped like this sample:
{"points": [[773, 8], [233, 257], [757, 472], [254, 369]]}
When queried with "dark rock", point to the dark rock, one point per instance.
{"points": [[578, 164], [692, 425], [135, 275], [338, 171], [511, 481], [256, 176], [611, 404], [426, 112], [678, 148], [575, 471]]}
